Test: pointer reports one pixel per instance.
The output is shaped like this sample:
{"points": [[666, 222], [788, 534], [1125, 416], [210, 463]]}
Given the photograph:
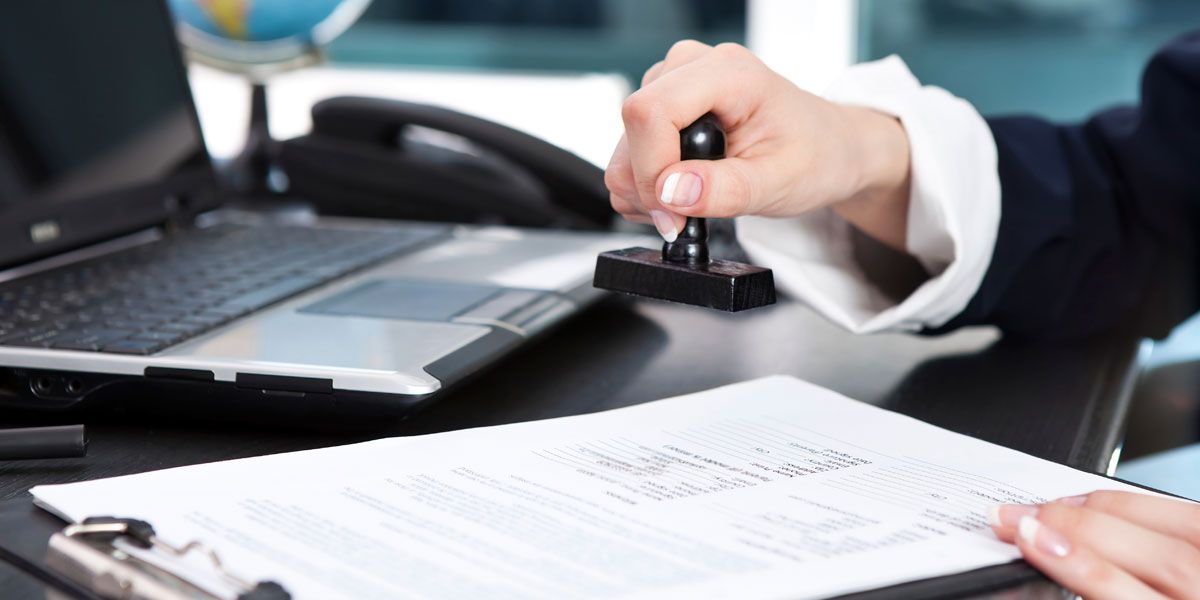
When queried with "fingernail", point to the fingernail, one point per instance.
{"points": [[665, 225], [1043, 538], [1008, 515], [1073, 500], [681, 189]]}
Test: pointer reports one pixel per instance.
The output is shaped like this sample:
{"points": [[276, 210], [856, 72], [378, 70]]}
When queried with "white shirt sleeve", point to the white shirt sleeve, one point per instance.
{"points": [[953, 215]]}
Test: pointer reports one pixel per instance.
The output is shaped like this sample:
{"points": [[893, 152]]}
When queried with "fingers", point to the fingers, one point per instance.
{"points": [[624, 199], [681, 53], [683, 189], [1165, 562], [652, 73], [655, 114], [1169, 516], [1005, 517], [1168, 564], [1077, 567], [712, 188], [692, 79], [618, 177]]}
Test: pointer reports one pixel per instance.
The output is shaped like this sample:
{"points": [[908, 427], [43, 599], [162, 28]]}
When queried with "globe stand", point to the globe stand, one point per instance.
{"points": [[252, 44], [250, 171]]}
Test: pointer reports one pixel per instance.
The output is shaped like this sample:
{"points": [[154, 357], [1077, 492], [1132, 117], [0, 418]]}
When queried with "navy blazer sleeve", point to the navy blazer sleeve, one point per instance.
{"points": [[1099, 220]]}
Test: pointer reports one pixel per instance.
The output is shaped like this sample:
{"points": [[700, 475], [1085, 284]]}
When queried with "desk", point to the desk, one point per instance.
{"points": [[1063, 403]]}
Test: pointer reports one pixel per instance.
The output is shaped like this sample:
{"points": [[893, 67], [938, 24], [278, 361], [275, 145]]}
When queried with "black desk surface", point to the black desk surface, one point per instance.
{"points": [[1065, 403]]}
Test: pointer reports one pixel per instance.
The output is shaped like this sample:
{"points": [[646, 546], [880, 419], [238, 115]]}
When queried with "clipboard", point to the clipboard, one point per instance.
{"points": [[33, 526], [91, 555], [32, 557]]}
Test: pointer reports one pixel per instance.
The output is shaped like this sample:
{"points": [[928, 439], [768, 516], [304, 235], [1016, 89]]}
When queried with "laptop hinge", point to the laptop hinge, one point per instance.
{"points": [[177, 218]]}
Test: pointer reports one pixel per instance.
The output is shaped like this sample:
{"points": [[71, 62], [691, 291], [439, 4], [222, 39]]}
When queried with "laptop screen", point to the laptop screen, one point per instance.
{"points": [[98, 134]]}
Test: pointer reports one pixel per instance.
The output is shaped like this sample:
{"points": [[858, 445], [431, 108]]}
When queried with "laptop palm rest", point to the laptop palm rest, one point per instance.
{"points": [[405, 299], [417, 300]]}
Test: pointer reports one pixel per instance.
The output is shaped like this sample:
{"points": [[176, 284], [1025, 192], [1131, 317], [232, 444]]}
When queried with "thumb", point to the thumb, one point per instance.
{"points": [[710, 188]]}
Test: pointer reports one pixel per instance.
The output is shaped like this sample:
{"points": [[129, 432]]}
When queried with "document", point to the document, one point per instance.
{"points": [[772, 488]]}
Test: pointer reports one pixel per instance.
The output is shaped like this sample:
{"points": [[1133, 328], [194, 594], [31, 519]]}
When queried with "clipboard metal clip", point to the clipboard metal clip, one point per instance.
{"points": [[85, 553]]}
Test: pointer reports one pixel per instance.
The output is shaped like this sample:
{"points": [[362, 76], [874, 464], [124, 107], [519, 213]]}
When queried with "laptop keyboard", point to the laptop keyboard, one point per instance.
{"points": [[144, 299]]}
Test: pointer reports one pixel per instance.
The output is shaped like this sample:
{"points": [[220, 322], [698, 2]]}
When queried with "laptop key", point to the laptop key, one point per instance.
{"points": [[91, 341], [269, 294], [207, 319], [125, 323], [36, 340], [100, 331], [160, 315], [273, 293], [181, 327], [228, 311], [164, 337], [134, 347], [26, 331]]}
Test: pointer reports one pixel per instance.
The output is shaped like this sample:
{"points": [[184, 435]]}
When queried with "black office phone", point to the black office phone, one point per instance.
{"points": [[379, 158]]}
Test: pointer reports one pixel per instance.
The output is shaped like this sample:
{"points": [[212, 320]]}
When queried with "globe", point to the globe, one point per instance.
{"points": [[258, 38], [248, 35]]}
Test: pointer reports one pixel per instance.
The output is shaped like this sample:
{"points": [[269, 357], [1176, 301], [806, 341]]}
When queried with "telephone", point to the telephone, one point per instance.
{"points": [[391, 159]]}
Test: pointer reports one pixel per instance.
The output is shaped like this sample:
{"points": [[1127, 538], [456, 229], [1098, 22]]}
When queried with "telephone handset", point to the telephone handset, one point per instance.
{"points": [[393, 159]]}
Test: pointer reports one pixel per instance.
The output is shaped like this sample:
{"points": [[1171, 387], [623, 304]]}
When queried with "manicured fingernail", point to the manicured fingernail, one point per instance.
{"points": [[681, 189], [1043, 538], [1073, 500], [1008, 515], [665, 225]]}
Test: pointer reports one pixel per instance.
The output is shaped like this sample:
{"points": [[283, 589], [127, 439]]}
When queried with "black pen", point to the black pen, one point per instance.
{"points": [[60, 441]]}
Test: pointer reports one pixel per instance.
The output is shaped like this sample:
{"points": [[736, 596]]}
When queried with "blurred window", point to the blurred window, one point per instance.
{"points": [[622, 36], [1059, 58]]}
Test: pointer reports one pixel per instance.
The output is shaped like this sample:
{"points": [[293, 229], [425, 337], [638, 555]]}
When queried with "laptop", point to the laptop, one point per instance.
{"points": [[120, 273]]}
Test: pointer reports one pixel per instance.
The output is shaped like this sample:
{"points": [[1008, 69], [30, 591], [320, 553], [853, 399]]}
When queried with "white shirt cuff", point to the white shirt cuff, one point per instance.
{"points": [[953, 215]]}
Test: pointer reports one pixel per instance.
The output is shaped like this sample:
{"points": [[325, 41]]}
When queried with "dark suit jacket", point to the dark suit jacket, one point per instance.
{"points": [[1099, 220]]}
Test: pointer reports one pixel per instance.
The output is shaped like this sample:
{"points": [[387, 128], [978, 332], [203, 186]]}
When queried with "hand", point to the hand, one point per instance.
{"points": [[788, 151], [1110, 544]]}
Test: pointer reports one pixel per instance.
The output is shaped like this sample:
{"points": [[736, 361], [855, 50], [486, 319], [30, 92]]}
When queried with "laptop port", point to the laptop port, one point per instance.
{"points": [[74, 387], [42, 385]]}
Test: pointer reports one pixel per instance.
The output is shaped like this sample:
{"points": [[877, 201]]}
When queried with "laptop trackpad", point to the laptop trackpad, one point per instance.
{"points": [[400, 299]]}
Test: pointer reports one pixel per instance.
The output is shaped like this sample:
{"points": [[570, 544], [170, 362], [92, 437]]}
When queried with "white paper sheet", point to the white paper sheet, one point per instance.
{"points": [[770, 488]]}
